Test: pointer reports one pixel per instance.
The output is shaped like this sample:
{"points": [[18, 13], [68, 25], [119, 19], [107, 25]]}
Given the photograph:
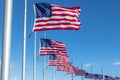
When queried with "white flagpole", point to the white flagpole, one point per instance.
{"points": [[24, 43], [6, 40], [81, 69], [34, 62], [72, 76], [44, 63], [101, 70], [34, 70], [91, 70], [52, 73], [44, 68], [62, 76]]}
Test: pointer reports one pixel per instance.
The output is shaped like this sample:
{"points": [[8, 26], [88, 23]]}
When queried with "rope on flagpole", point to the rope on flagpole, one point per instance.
{"points": [[29, 36]]}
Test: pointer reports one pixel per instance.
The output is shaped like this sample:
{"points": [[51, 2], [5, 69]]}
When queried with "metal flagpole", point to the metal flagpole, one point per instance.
{"points": [[101, 70], [72, 63], [44, 62], [34, 62], [6, 40], [52, 73], [24, 43], [81, 69], [44, 68], [62, 76], [34, 70], [72, 76], [91, 70]]}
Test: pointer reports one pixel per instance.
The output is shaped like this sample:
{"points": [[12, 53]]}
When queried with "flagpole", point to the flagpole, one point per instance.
{"points": [[91, 70], [101, 70], [72, 76], [44, 68], [34, 72], [62, 76], [52, 73], [44, 63], [24, 43], [6, 40], [72, 63], [81, 69]]}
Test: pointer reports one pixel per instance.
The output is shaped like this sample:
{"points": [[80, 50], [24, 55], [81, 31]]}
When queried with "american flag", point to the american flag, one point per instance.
{"points": [[60, 68], [62, 60], [54, 17], [75, 69], [53, 60], [98, 77], [89, 75], [49, 47], [108, 77], [69, 68], [80, 72], [116, 78]]}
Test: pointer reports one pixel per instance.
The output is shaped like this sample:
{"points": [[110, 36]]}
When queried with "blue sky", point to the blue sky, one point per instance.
{"points": [[96, 43]]}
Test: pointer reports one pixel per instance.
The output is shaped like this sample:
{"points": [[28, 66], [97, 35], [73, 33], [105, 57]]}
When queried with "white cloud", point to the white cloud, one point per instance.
{"points": [[87, 65], [116, 63]]}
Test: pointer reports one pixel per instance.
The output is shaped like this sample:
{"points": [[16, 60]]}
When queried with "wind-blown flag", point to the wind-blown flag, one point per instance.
{"points": [[53, 17], [62, 60], [69, 68], [89, 75], [49, 47], [116, 78], [108, 77], [53, 60], [80, 72], [98, 76], [60, 68]]}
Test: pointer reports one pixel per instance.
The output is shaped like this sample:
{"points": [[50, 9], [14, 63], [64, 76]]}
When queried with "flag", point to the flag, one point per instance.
{"points": [[54, 17], [49, 47], [80, 72], [62, 60], [69, 68], [53, 60], [57, 60], [98, 76], [75, 69], [60, 68], [108, 77], [116, 78], [89, 75]]}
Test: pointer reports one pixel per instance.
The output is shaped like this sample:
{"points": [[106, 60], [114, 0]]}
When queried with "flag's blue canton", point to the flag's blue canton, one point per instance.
{"points": [[106, 76], [43, 10], [87, 74], [45, 43], [53, 57], [95, 75]]}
